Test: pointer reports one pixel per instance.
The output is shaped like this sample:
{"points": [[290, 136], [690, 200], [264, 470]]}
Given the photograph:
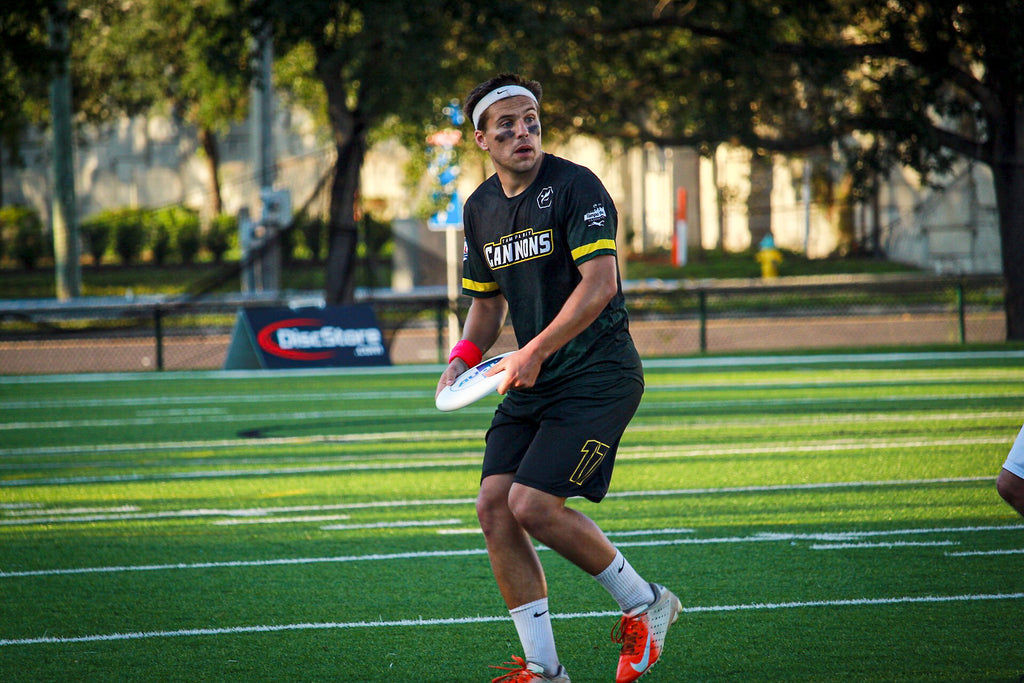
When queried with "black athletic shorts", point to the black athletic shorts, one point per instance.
{"points": [[562, 443]]}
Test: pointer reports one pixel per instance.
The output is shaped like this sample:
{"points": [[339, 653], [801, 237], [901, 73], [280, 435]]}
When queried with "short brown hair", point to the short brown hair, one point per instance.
{"points": [[480, 91]]}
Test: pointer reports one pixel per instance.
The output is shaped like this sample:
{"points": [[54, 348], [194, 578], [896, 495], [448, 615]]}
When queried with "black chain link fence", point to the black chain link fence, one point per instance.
{"points": [[667, 319]]}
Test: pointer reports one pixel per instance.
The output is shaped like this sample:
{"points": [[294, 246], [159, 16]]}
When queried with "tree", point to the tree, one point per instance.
{"points": [[374, 61], [885, 82], [25, 63], [190, 59]]}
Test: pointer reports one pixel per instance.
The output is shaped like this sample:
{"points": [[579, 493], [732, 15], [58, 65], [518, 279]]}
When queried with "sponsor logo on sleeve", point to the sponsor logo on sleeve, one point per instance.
{"points": [[595, 217]]}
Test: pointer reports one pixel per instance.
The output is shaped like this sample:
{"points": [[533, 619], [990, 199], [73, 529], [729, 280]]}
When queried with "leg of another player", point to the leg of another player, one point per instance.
{"points": [[1010, 484], [1011, 488]]}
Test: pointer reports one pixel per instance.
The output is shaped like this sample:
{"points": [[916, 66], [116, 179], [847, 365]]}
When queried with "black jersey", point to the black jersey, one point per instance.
{"points": [[529, 247]]}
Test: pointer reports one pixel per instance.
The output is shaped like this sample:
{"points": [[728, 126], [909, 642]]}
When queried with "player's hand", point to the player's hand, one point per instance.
{"points": [[522, 369], [451, 373]]}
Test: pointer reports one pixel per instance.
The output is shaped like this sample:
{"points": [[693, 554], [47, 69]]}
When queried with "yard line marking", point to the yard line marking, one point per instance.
{"points": [[482, 408], [61, 517], [762, 537], [229, 399], [470, 501], [390, 525], [897, 544], [977, 553], [435, 369], [282, 520], [421, 622], [339, 527], [915, 376], [247, 563], [628, 453], [239, 443], [73, 511], [637, 426]]}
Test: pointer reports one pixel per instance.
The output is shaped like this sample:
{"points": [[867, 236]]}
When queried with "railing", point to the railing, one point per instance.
{"points": [[668, 318]]}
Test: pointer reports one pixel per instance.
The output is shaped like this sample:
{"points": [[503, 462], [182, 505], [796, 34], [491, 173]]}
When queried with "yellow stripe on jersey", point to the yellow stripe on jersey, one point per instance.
{"points": [[474, 286], [587, 249]]}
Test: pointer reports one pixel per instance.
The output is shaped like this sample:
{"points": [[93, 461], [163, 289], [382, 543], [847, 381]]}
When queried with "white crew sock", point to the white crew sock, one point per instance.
{"points": [[533, 623], [625, 585]]}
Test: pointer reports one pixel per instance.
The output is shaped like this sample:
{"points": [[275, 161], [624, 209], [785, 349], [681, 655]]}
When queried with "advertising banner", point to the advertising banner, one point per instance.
{"points": [[288, 338]]}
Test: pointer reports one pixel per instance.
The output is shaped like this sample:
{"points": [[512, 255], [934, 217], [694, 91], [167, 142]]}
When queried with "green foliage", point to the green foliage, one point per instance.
{"points": [[129, 231], [21, 227], [377, 236], [181, 228], [313, 233], [96, 235], [220, 235], [161, 241]]}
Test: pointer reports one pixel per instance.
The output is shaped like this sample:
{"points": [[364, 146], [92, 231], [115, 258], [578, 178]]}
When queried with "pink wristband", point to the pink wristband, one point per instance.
{"points": [[467, 351]]}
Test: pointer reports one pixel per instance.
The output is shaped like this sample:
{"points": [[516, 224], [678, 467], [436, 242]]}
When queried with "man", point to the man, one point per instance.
{"points": [[1011, 479], [540, 246]]}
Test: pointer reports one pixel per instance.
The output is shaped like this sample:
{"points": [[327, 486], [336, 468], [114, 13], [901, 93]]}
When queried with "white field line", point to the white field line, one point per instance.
{"points": [[338, 527], [629, 453], [681, 426], [433, 554], [916, 377], [391, 525], [38, 511], [68, 516], [421, 622], [225, 399], [470, 501], [435, 369], [481, 408], [897, 544], [284, 520], [980, 553]]}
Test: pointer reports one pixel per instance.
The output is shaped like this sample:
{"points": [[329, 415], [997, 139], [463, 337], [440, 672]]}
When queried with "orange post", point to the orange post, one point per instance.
{"points": [[679, 236]]}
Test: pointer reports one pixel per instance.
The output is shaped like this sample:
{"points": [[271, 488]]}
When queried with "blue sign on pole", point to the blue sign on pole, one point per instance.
{"points": [[444, 166]]}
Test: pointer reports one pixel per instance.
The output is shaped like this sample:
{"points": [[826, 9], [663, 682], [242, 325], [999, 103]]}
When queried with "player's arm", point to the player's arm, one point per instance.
{"points": [[483, 325], [599, 285]]}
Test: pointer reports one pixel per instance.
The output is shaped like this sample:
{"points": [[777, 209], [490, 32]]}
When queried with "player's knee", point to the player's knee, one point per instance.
{"points": [[532, 509], [492, 510]]}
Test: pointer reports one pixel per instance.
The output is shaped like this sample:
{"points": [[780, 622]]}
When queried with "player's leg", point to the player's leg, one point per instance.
{"points": [[514, 560], [1010, 483], [520, 578], [573, 454], [1011, 488]]}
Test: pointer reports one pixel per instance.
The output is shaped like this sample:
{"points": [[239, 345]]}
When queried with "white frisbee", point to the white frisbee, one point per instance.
{"points": [[471, 386]]}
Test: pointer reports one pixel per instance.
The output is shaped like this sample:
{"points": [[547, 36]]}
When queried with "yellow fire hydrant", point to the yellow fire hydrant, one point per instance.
{"points": [[769, 257]]}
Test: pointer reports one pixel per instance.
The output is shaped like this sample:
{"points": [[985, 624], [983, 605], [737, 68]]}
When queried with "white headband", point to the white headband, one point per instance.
{"points": [[499, 93]]}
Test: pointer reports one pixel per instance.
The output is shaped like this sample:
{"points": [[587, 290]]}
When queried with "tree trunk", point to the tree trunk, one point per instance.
{"points": [[1008, 175], [342, 235], [208, 140], [1009, 182]]}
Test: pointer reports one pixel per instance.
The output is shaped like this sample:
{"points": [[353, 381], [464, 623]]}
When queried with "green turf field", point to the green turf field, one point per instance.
{"points": [[824, 518]]}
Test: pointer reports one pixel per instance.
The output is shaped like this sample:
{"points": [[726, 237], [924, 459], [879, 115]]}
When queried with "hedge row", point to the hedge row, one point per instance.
{"points": [[171, 233]]}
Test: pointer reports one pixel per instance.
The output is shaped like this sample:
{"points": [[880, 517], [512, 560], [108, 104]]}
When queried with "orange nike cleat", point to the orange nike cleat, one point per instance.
{"points": [[643, 634], [521, 671]]}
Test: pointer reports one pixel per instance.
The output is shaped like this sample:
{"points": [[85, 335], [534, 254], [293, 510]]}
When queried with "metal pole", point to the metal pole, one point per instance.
{"points": [[960, 311], [158, 331], [702, 310]]}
